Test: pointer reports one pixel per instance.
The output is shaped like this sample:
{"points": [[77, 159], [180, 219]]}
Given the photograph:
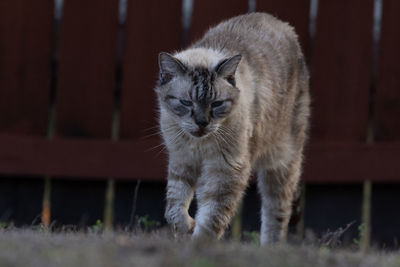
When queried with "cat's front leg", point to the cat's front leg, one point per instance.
{"points": [[218, 192], [179, 195]]}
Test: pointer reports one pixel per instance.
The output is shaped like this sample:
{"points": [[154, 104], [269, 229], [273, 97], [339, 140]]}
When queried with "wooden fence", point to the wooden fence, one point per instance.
{"points": [[77, 100]]}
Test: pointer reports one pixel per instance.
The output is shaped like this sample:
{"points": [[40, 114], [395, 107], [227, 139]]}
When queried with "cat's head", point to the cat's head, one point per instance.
{"points": [[199, 98]]}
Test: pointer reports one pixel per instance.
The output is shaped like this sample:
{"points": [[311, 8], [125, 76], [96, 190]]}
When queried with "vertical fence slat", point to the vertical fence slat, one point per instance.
{"points": [[207, 13], [25, 62], [387, 100], [87, 64], [296, 13], [341, 69], [152, 26]]}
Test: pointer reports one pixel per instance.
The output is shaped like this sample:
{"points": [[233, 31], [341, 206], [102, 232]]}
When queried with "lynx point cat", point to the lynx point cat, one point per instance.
{"points": [[234, 102]]}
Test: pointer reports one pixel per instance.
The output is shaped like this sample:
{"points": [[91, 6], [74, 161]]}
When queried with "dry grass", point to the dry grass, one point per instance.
{"points": [[40, 248]]}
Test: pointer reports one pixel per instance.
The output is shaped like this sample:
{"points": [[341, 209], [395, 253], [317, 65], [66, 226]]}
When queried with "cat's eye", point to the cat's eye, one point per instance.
{"points": [[217, 104], [186, 102]]}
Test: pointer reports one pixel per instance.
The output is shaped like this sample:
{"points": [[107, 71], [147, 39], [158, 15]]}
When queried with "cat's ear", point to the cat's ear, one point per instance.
{"points": [[227, 68], [169, 67]]}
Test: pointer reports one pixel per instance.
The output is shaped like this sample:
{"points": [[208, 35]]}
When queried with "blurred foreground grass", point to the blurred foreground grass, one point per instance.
{"points": [[40, 248]]}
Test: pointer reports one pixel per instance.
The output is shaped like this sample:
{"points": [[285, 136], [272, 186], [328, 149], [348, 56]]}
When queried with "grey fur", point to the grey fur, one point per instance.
{"points": [[240, 105]]}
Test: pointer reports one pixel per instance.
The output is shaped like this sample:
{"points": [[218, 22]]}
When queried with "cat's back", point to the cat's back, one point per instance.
{"points": [[249, 34], [269, 46]]}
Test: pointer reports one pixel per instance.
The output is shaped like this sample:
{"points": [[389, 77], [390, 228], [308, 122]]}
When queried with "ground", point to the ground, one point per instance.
{"points": [[37, 247]]}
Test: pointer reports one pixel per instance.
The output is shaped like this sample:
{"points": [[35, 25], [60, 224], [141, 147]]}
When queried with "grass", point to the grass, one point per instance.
{"points": [[38, 247]]}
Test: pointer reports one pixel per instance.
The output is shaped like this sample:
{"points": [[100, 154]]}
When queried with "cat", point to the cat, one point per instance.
{"points": [[234, 102]]}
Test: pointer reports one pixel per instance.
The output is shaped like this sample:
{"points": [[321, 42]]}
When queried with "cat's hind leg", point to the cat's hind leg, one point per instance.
{"points": [[277, 188]]}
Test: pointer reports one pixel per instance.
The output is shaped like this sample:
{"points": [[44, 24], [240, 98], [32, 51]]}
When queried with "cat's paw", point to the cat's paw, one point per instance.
{"points": [[203, 234], [187, 226], [184, 226]]}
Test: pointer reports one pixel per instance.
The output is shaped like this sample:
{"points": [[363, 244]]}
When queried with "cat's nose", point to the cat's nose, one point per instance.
{"points": [[202, 123]]}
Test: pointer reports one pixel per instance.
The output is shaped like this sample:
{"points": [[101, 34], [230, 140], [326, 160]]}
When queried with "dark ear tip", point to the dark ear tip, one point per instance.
{"points": [[238, 56], [162, 54], [162, 57], [169, 64], [228, 65]]}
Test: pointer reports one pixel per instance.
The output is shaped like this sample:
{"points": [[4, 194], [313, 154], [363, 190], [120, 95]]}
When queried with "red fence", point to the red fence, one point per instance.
{"points": [[79, 120]]}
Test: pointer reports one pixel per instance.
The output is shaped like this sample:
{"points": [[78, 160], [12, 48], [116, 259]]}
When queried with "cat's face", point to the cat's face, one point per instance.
{"points": [[196, 97]]}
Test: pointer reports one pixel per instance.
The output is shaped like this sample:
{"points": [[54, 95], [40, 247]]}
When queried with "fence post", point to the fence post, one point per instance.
{"points": [[109, 205], [365, 231], [46, 204], [110, 188]]}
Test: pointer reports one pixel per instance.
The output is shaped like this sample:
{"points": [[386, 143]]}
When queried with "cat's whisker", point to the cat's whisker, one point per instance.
{"points": [[217, 142], [159, 152], [150, 128], [222, 128], [159, 132], [150, 135], [179, 134], [154, 147], [164, 143], [229, 131], [173, 139], [226, 137], [223, 139]]}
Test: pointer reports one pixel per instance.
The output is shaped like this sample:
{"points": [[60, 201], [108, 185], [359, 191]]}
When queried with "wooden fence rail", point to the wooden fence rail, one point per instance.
{"points": [[69, 81]]}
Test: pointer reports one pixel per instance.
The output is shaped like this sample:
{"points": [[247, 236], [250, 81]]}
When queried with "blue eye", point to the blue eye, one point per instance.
{"points": [[217, 104], [186, 102]]}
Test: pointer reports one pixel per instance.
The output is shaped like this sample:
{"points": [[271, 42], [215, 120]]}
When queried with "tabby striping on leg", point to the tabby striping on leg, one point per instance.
{"points": [[234, 102]]}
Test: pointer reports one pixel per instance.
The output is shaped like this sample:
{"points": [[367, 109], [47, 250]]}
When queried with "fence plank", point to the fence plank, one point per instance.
{"points": [[133, 159], [207, 13], [387, 100], [87, 65], [25, 64], [341, 67], [151, 27], [297, 13], [351, 162], [81, 158]]}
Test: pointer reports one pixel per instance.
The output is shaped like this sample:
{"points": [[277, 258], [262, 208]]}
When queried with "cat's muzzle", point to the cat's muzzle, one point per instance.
{"points": [[202, 131]]}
